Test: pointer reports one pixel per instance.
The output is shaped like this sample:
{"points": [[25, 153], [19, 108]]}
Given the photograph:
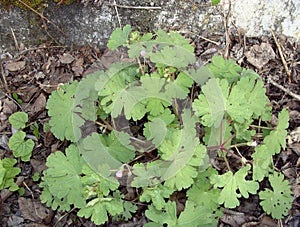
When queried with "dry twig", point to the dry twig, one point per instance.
{"points": [[43, 17], [292, 94], [227, 37], [136, 7], [116, 9], [199, 36], [3, 77], [282, 57], [15, 39]]}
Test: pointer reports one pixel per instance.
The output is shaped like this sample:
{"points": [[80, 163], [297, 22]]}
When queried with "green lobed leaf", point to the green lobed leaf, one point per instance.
{"points": [[272, 144], [215, 2], [202, 193], [225, 69], [113, 83], [277, 202], [18, 120], [21, 147], [61, 181], [119, 37], [106, 152], [98, 209], [60, 108], [173, 56], [96, 185], [137, 100], [170, 49], [155, 131], [211, 105], [129, 209], [86, 95], [7, 174], [194, 215], [230, 183], [146, 175], [157, 194], [166, 216]]}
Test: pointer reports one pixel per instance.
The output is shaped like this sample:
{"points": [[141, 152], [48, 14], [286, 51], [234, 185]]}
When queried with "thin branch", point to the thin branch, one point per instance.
{"points": [[227, 36], [4, 77], [136, 7], [282, 57], [13, 101], [15, 39], [43, 17], [284, 89], [116, 9], [199, 36]]}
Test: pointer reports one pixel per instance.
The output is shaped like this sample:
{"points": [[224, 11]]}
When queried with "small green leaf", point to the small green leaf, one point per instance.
{"points": [[18, 120], [211, 105], [279, 201], [157, 195], [98, 208], [64, 123], [231, 183], [21, 147], [190, 216], [129, 208], [61, 181], [107, 152], [202, 192], [36, 176], [119, 37], [7, 174], [156, 131], [225, 69], [215, 2], [166, 216]]}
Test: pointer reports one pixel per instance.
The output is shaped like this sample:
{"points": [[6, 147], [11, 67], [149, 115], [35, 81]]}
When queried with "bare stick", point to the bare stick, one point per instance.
{"points": [[199, 36], [284, 89], [227, 36], [43, 17], [116, 8], [282, 57], [3, 77], [15, 39], [136, 7]]}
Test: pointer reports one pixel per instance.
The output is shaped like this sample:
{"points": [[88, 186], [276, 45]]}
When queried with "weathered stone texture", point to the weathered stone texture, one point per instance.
{"points": [[90, 24]]}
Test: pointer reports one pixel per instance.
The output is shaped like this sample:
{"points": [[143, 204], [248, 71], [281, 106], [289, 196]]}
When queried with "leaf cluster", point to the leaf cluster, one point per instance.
{"points": [[7, 174], [20, 146], [166, 155]]}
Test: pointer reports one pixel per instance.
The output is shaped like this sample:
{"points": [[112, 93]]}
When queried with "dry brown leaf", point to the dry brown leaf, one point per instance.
{"points": [[34, 210], [9, 107], [259, 56], [15, 66], [37, 165], [66, 58], [39, 104]]}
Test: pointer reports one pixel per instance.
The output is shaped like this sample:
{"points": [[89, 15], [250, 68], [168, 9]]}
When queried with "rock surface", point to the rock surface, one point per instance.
{"points": [[81, 25]]}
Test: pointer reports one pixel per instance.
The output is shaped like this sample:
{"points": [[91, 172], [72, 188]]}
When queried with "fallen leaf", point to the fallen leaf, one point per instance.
{"points": [[27, 93], [259, 56], [15, 66], [9, 107], [66, 58], [38, 166], [39, 104], [34, 210]]}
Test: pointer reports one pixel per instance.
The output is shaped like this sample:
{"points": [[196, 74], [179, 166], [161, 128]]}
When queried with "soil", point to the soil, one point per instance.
{"points": [[30, 75]]}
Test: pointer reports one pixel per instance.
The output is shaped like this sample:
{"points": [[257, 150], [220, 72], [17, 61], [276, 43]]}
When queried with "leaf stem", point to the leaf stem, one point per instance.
{"points": [[261, 127]]}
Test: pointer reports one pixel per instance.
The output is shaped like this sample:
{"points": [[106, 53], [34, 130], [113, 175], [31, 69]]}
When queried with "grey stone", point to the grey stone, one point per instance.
{"points": [[93, 25]]}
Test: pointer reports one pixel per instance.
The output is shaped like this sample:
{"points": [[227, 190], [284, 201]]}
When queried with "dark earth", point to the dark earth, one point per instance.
{"points": [[30, 74]]}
